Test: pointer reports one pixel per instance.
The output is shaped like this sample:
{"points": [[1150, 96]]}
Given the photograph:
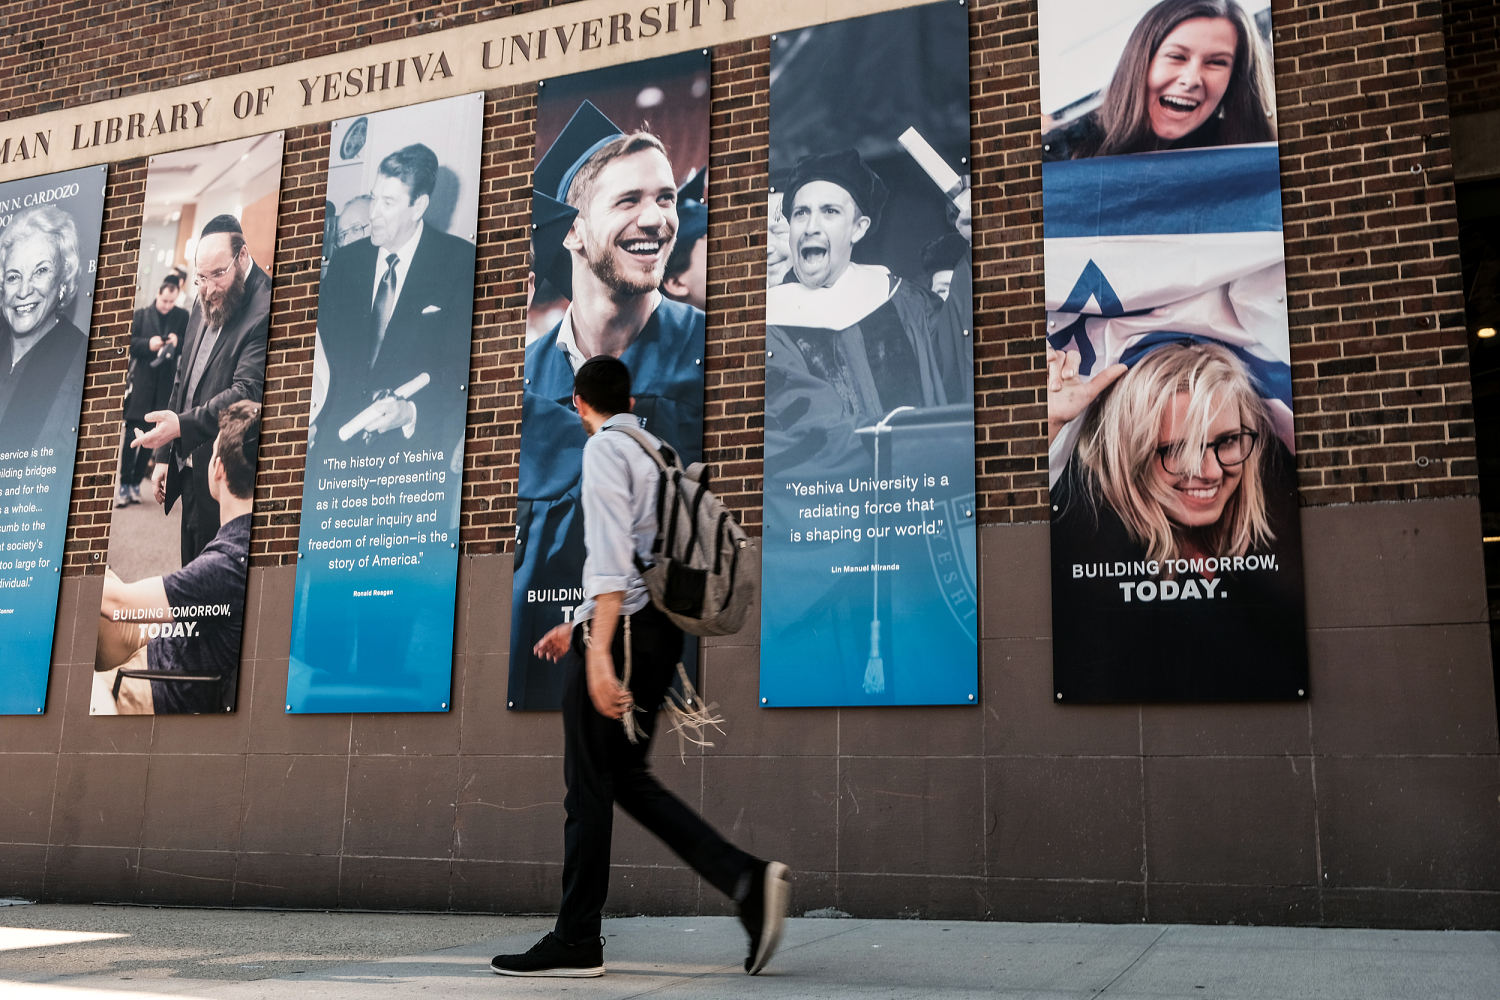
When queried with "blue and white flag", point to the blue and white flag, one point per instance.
{"points": [[1156, 247]]}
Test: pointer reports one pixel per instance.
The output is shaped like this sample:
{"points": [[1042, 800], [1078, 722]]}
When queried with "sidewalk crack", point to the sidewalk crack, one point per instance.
{"points": [[1138, 959]]}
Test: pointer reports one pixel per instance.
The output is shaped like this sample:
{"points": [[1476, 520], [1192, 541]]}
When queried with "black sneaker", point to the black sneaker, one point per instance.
{"points": [[552, 957], [763, 912]]}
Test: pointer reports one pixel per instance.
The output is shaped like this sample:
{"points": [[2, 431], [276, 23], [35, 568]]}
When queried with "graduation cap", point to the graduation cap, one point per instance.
{"points": [[692, 213], [848, 170], [586, 133]]}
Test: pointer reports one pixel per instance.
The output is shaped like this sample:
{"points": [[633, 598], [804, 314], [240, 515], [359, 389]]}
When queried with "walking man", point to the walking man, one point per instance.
{"points": [[627, 652]]}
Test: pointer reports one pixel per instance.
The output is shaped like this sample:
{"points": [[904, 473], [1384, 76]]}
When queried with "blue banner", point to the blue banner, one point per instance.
{"points": [[372, 622], [645, 308], [49, 248], [869, 593]]}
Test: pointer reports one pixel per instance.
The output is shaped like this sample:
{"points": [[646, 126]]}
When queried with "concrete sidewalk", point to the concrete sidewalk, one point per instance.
{"points": [[53, 952]]}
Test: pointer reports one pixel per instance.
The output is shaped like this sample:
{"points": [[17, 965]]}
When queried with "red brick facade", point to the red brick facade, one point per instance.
{"points": [[1380, 367]]}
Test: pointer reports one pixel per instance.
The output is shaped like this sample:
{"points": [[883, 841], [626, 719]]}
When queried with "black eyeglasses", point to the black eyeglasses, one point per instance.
{"points": [[1229, 450]]}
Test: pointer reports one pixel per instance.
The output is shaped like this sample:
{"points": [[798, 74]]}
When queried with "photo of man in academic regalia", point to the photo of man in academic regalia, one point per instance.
{"points": [[605, 214], [868, 581]]}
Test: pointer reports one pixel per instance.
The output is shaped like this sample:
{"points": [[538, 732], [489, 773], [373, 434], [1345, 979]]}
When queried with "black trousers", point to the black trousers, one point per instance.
{"points": [[603, 768], [133, 461], [200, 513]]}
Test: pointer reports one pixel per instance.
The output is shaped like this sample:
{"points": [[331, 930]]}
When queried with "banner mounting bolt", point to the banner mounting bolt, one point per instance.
{"points": [[971, 697], [1059, 696], [764, 701]]}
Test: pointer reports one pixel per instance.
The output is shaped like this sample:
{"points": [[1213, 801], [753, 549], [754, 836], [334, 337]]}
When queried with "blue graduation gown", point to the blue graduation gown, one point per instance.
{"points": [[666, 371]]}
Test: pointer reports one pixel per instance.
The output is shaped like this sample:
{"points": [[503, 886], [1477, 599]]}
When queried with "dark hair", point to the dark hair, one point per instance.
{"points": [[415, 166], [226, 224], [680, 257], [221, 224], [944, 253], [170, 281], [603, 382], [239, 441], [1245, 112]]}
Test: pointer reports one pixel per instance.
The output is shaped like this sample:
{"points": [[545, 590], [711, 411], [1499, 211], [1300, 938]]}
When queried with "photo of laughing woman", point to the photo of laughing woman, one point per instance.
{"points": [[1193, 73], [1175, 526]]}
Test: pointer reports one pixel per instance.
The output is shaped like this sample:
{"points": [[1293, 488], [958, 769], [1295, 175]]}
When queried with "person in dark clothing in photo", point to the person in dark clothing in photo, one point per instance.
{"points": [[222, 361], [41, 351], [608, 205], [155, 335], [627, 653], [198, 611]]}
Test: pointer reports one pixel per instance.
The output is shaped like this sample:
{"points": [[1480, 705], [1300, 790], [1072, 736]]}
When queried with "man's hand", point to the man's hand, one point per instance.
{"points": [[1067, 394], [159, 481], [611, 698], [390, 412], [155, 342], [554, 644], [167, 430]]}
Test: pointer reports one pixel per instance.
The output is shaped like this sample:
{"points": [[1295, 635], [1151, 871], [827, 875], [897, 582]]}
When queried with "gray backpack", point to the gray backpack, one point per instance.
{"points": [[696, 575]]}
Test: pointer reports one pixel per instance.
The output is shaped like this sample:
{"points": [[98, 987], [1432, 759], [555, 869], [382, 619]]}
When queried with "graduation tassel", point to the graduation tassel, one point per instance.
{"points": [[689, 722]]}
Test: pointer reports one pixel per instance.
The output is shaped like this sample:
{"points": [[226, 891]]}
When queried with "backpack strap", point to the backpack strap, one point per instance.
{"points": [[670, 466]]}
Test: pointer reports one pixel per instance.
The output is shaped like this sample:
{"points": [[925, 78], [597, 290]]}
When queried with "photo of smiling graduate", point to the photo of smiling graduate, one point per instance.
{"points": [[614, 148]]}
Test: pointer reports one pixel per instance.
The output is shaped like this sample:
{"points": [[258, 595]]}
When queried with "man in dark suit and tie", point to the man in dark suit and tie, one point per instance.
{"points": [[394, 326], [394, 307], [222, 361]]}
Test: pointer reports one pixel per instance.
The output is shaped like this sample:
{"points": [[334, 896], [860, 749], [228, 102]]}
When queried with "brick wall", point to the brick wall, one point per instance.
{"points": [[1374, 802], [1380, 365], [1473, 27]]}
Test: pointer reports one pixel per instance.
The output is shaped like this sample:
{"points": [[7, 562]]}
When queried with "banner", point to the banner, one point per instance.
{"points": [[172, 614], [377, 554], [1176, 547], [619, 243], [869, 594], [49, 250]]}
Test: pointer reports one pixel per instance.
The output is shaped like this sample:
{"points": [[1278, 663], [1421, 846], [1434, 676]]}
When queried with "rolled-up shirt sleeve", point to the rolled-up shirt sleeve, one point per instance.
{"points": [[608, 521]]}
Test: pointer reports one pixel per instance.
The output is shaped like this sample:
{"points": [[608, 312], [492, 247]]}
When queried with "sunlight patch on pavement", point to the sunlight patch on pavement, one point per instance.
{"points": [[41, 991], [14, 938]]}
